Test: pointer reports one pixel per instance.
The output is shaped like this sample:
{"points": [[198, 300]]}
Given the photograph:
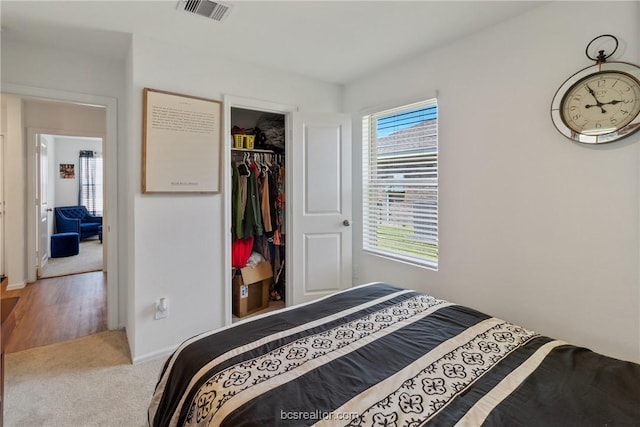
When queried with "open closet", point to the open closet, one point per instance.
{"points": [[258, 210], [307, 160]]}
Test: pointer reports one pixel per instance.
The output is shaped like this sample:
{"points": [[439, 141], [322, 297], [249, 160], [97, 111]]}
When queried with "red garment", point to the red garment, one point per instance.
{"points": [[241, 251]]}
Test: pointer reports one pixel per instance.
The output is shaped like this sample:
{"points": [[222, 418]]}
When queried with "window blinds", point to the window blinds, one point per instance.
{"points": [[91, 187], [400, 183]]}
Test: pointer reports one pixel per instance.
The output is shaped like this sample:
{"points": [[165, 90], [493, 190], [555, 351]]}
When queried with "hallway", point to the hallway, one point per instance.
{"points": [[58, 309]]}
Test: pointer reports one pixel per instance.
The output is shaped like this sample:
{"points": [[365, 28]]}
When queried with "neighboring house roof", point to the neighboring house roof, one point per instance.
{"points": [[419, 138]]}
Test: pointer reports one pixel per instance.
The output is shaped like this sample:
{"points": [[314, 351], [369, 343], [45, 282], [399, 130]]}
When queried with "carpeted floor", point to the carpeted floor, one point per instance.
{"points": [[89, 259], [86, 382]]}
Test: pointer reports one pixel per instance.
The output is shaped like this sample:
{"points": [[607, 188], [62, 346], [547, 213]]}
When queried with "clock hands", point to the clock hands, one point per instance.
{"points": [[598, 103], [592, 92]]}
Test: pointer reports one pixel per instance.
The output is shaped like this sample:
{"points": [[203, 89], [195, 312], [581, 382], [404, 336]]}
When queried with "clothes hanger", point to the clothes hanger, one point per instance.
{"points": [[245, 165]]}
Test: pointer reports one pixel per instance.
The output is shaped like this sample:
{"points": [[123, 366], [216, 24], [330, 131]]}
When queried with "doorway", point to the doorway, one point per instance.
{"points": [[110, 219], [251, 110], [70, 174]]}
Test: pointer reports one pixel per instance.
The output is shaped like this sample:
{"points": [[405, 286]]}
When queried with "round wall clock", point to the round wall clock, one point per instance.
{"points": [[600, 103]]}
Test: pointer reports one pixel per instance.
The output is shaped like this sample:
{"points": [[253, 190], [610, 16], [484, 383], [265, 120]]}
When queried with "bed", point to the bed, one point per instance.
{"points": [[380, 355]]}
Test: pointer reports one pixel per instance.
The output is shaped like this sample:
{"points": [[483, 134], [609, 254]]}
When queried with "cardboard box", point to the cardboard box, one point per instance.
{"points": [[251, 289]]}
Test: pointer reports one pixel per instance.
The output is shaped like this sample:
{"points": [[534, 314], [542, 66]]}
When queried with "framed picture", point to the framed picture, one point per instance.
{"points": [[181, 143], [67, 171]]}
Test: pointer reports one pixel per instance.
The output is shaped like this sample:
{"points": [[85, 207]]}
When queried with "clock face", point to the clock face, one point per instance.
{"points": [[601, 103]]}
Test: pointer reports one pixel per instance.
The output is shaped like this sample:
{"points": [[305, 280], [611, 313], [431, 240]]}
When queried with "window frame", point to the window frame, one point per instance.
{"points": [[371, 238]]}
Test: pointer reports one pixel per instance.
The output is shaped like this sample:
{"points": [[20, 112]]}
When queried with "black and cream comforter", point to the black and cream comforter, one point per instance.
{"points": [[379, 355]]}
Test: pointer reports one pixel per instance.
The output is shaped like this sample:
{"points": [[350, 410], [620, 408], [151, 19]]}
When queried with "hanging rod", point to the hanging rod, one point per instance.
{"points": [[248, 150]]}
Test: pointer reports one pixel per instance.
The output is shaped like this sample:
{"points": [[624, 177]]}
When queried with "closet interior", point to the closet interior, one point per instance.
{"points": [[257, 211]]}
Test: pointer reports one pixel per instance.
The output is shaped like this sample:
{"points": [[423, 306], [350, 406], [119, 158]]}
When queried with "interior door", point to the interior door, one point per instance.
{"points": [[42, 204], [320, 254], [2, 272]]}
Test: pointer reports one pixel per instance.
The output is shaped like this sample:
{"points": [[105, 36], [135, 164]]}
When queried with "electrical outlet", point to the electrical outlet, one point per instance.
{"points": [[162, 308]]}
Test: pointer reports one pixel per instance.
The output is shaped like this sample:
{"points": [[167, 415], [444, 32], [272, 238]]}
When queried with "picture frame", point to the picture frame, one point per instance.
{"points": [[181, 143], [67, 171]]}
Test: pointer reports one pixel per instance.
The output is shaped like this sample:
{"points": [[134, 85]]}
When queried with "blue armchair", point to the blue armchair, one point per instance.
{"points": [[77, 219]]}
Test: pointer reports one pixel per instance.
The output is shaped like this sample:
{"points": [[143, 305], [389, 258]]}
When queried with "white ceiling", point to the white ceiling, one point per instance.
{"points": [[333, 41]]}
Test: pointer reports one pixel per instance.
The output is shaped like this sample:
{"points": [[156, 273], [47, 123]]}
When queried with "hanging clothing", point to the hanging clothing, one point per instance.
{"points": [[252, 215], [243, 191], [281, 199], [264, 203], [241, 251], [273, 197], [258, 213], [235, 194], [238, 199]]}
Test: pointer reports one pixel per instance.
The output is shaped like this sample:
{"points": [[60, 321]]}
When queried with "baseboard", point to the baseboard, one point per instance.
{"points": [[164, 353], [14, 286]]}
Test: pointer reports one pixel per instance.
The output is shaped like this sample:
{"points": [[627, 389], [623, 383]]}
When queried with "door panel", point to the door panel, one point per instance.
{"points": [[43, 207], [322, 150], [321, 205], [323, 261]]}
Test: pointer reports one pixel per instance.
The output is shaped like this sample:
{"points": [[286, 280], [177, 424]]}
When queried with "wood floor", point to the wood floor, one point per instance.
{"points": [[58, 309], [273, 305]]}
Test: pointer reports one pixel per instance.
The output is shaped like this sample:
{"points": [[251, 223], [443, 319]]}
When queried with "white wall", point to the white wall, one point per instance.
{"points": [[15, 195], [179, 238], [67, 151], [534, 228], [60, 117]]}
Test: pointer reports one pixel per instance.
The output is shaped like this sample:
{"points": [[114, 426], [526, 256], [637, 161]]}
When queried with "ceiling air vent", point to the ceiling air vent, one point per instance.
{"points": [[209, 9]]}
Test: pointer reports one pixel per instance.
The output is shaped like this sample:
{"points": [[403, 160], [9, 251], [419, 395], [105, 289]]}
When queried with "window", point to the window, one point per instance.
{"points": [[91, 182], [400, 183]]}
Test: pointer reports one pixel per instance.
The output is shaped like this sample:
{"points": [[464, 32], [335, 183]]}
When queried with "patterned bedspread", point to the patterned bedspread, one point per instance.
{"points": [[379, 355]]}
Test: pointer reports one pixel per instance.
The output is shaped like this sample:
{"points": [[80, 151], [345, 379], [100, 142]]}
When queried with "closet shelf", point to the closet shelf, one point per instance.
{"points": [[253, 150]]}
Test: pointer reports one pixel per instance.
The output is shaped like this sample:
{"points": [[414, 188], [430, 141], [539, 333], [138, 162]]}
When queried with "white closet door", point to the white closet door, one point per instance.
{"points": [[320, 255]]}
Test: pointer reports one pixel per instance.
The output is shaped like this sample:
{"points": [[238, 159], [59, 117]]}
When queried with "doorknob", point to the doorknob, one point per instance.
{"points": [[346, 223], [49, 210]]}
